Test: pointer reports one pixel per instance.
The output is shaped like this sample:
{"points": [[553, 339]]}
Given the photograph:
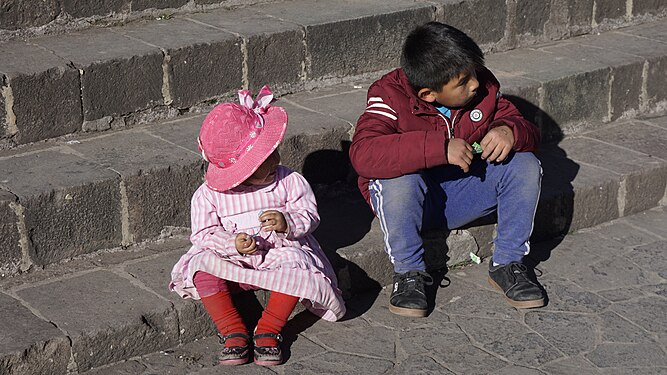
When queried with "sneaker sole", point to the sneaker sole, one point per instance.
{"points": [[402, 311], [518, 304]]}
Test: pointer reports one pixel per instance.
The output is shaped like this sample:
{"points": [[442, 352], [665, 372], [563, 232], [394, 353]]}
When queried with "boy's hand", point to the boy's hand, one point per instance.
{"points": [[497, 143], [245, 243], [273, 220], [459, 152]]}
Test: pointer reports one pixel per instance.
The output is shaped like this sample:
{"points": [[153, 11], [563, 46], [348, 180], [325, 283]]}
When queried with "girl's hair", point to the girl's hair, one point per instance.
{"points": [[434, 53]]}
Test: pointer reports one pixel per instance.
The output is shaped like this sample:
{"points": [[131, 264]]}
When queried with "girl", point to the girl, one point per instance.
{"points": [[251, 229]]}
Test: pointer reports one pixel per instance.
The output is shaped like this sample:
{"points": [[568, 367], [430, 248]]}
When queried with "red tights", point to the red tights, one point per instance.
{"points": [[217, 300]]}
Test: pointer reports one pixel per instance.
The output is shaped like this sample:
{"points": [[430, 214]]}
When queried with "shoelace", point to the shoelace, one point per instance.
{"points": [[520, 270], [415, 278]]}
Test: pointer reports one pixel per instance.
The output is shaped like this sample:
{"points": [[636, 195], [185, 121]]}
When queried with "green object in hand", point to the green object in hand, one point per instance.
{"points": [[476, 148]]}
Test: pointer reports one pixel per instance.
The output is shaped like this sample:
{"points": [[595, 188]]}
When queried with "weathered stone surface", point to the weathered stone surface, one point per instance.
{"points": [[64, 194], [107, 317], [651, 257], [193, 320], [614, 328], [157, 4], [339, 363], [567, 296], [159, 178], [426, 340], [640, 7], [29, 345], [625, 43], [609, 10], [267, 41], [636, 136], [78, 8], [651, 221], [315, 142], [571, 365], [119, 75], [468, 359], [625, 89], [10, 252], [351, 38], [482, 20], [570, 333], [420, 364], [45, 98], [202, 62], [182, 132], [652, 30], [656, 71], [531, 16], [576, 100], [18, 14], [344, 101], [630, 355]]}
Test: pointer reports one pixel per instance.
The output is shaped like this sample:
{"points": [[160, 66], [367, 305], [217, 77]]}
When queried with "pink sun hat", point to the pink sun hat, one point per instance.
{"points": [[237, 138]]}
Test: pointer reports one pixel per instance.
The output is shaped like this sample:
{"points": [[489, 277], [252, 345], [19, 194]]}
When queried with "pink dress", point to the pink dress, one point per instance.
{"points": [[291, 263]]}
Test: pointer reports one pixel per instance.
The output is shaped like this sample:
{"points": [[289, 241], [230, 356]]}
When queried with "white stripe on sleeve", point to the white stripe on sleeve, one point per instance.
{"points": [[383, 114], [380, 105]]}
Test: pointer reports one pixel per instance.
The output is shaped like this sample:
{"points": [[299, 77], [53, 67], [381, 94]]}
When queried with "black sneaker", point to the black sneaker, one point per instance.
{"points": [[408, 298], [521, 290]]}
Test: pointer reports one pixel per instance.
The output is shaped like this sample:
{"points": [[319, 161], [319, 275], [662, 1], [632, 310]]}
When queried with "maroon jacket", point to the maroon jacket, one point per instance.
{"points": [[400, 133]]}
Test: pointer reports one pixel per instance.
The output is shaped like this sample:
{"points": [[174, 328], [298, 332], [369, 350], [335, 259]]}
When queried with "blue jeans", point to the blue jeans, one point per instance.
{"points": [[446, 197]]}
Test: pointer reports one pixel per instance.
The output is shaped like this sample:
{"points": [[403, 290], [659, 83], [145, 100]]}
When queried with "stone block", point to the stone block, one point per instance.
{"points": [[119, 75], [626, 87], [194, 322], [107, 318], [79, 9], [569, 18], [202, 62], [4, 90], [157, 4], [657, 75], [72, 205], [641, 7], [482, 20], [574, 102], [652, 30], [344, 38], [637, 136], [531, 16], [182, 132], [625, 43], [29, 345], [344, 101], [43, 92], [159, 178], [17, 14], [610, 10], [523, 93], [10, 252], [315, 144], [267, 41]]}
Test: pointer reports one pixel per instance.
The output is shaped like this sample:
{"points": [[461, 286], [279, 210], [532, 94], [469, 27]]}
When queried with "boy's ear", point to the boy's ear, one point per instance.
{"points": [[426, 95]]}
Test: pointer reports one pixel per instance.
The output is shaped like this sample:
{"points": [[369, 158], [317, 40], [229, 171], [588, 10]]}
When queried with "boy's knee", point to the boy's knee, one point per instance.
{"points": [[399, 191], [526, 164]]}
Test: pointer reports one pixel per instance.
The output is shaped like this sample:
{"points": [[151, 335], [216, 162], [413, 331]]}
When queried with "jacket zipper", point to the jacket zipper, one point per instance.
{"points": [[450, 123]]}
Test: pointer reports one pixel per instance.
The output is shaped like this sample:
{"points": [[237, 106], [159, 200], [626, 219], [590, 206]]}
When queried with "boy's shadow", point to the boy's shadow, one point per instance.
{"points": [[555, 211]]}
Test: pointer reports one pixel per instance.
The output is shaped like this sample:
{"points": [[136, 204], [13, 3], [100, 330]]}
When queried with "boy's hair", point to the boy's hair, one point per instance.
{"points": [[434, 53]]}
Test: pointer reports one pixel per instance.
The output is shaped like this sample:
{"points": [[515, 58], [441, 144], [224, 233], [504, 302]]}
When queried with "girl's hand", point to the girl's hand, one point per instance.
{"points": [[273, 220], [245, 244], [497, 144]]}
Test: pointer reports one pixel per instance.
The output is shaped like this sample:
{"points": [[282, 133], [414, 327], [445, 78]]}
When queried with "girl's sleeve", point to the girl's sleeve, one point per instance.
{"points": [[301, 208], [207, 231]]}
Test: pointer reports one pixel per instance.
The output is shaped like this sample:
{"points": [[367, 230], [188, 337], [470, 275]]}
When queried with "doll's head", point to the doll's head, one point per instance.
{"points": [[236, 139]]}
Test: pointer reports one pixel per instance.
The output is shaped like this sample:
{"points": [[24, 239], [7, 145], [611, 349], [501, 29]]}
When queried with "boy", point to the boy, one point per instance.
{"points": [[412, 150]]}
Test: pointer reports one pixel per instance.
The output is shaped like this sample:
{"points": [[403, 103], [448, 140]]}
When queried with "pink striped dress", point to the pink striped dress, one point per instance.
{"points": [[291, 263]]}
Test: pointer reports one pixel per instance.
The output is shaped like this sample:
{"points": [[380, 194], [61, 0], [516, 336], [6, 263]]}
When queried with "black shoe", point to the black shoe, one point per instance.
{"points": [[520, 287], [408, 298]]}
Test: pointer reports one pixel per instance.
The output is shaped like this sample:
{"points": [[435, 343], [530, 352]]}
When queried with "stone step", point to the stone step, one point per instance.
{"points": [[101, 78], [78, 194]]}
